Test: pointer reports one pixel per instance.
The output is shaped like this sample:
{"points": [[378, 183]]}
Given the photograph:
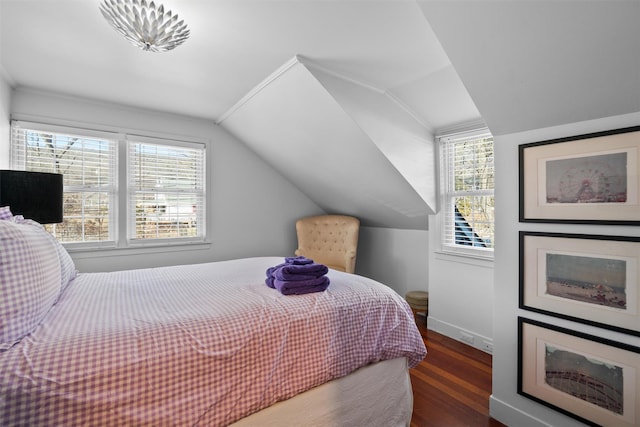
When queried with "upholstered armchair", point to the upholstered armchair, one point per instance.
{"points": [[331, 240]]}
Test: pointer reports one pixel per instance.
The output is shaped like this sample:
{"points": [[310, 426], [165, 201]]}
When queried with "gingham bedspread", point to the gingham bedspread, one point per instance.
{"points": [[204, 344]]}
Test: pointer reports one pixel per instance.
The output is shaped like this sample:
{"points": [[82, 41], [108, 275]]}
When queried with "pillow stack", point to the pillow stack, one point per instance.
{"points": [[298, 275], [34, 270]]}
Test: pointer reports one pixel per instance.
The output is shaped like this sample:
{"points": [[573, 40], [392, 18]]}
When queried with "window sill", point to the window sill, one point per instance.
{"points": [[465, 258], [86, 253]]}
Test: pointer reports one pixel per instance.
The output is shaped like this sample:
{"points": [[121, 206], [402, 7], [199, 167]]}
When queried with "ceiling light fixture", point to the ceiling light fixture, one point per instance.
{"points": [[145, 25]]}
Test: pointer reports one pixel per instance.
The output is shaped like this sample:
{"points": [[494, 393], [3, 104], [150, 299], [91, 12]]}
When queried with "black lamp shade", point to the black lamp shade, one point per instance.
{"points": [[34, 195]]}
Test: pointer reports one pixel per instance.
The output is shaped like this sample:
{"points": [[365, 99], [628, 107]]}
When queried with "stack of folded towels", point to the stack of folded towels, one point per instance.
{"points": [[298, 275]]}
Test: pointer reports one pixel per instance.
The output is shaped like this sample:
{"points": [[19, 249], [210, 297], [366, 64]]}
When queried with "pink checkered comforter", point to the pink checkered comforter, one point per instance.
{"points": [[204, 344]]}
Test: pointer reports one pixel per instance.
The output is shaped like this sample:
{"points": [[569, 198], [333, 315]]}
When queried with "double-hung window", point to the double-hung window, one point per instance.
{"points": [[120, 190], [467, 179], [165, 191]]}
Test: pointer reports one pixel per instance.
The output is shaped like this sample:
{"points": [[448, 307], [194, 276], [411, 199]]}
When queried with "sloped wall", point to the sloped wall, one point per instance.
{"points": [[404, 141], [318, 135]]}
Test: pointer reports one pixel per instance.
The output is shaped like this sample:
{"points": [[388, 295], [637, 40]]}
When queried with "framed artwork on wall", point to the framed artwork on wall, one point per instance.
{"points": [[592, 279], [585, 179], [591, 379]]}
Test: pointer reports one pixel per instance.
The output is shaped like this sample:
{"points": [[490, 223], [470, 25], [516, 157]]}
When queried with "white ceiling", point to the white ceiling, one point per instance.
{"points": [[517, 65], [525, 64], [66, 46], [535, 64]]}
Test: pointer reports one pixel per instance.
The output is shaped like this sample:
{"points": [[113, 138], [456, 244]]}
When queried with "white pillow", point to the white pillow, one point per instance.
{"points": [[30, 279]]}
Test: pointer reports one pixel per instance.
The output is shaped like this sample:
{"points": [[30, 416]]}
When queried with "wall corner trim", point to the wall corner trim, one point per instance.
{"points": [[253, 92]]}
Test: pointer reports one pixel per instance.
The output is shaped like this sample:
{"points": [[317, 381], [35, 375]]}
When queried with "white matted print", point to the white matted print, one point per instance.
{"points": [[589, 378], [584, 179], [591, 279]]}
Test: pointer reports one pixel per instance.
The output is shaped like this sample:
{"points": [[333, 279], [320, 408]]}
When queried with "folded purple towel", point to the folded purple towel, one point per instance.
{"points": [[300, 272], [298, 260], [297, 269], [299, 287], [269, 280]]}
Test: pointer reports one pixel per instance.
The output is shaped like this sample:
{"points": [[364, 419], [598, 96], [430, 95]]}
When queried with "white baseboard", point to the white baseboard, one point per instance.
{"points": [[463, 335], [511, 416]]}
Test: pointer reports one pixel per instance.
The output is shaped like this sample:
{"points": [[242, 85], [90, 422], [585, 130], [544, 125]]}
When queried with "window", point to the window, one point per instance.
{"points": [[467, 177], [119, 190], [166, 191]]}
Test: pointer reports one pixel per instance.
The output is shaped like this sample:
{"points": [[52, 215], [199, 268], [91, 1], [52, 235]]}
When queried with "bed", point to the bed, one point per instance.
{"points": [[204, 344]]}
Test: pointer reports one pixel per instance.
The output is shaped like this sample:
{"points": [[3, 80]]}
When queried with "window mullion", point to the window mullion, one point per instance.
{"points": [[122, 197]]}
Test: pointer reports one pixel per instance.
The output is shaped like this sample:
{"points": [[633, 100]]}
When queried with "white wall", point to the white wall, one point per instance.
{"points": [[252, 208], [460, 294], [506, 404], [395, 257], [5, 104], [5, 129]]}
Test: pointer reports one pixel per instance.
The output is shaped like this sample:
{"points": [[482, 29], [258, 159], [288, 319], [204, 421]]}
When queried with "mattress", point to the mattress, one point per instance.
{"points": [[379, 394], [204, 344]]}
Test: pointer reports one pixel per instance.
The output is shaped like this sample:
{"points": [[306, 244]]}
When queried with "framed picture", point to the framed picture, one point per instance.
{"points": [[591, 379], [586, 179], [590, 279]]}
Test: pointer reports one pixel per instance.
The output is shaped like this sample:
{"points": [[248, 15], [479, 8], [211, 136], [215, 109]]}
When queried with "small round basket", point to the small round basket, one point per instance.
{"points": [[418, 301]]}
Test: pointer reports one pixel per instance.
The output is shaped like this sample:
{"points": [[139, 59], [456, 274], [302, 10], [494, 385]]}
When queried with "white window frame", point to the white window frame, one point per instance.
{"points": [[119, 213], [446, 222], [199, 192]]}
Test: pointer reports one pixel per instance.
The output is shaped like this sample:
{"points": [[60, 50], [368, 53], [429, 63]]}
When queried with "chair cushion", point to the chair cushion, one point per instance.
{"points": [[331, 240]]}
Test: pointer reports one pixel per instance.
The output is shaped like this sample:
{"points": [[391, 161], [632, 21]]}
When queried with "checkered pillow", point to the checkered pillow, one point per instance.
{"points": [[68, 270], [5, 212], [29, 279]]}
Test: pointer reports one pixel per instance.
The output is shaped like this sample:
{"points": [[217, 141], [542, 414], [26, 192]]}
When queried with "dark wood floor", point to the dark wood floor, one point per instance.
{"points": [[452, 385]]}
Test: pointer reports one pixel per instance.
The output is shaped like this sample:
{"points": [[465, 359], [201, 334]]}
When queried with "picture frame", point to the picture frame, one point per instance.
{"points": [[585, 179], [591, 279], [591, 379]]}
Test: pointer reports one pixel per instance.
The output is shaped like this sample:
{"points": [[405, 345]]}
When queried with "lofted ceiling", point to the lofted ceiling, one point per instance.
{"points": [[66, 46], [535, 64], [515, 65]]}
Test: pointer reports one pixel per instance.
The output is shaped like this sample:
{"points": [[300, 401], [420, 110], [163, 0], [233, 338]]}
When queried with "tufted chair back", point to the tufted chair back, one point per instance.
{"points": [[331, 240]]}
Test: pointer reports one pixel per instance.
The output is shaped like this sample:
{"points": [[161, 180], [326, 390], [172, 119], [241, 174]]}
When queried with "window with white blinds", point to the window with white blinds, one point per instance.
{"points": [[88, 162], [166, 191], [467, 177], [119, 190]]}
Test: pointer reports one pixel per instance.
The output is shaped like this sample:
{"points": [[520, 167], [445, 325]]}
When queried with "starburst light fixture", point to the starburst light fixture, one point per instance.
{"points": [[145, 25]]}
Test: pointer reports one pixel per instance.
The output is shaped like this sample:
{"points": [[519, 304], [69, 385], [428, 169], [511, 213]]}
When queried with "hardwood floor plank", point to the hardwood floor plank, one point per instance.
{"points": [[451, 393], [459, 375], [452, 385], [454, 355], [478, 394]]}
